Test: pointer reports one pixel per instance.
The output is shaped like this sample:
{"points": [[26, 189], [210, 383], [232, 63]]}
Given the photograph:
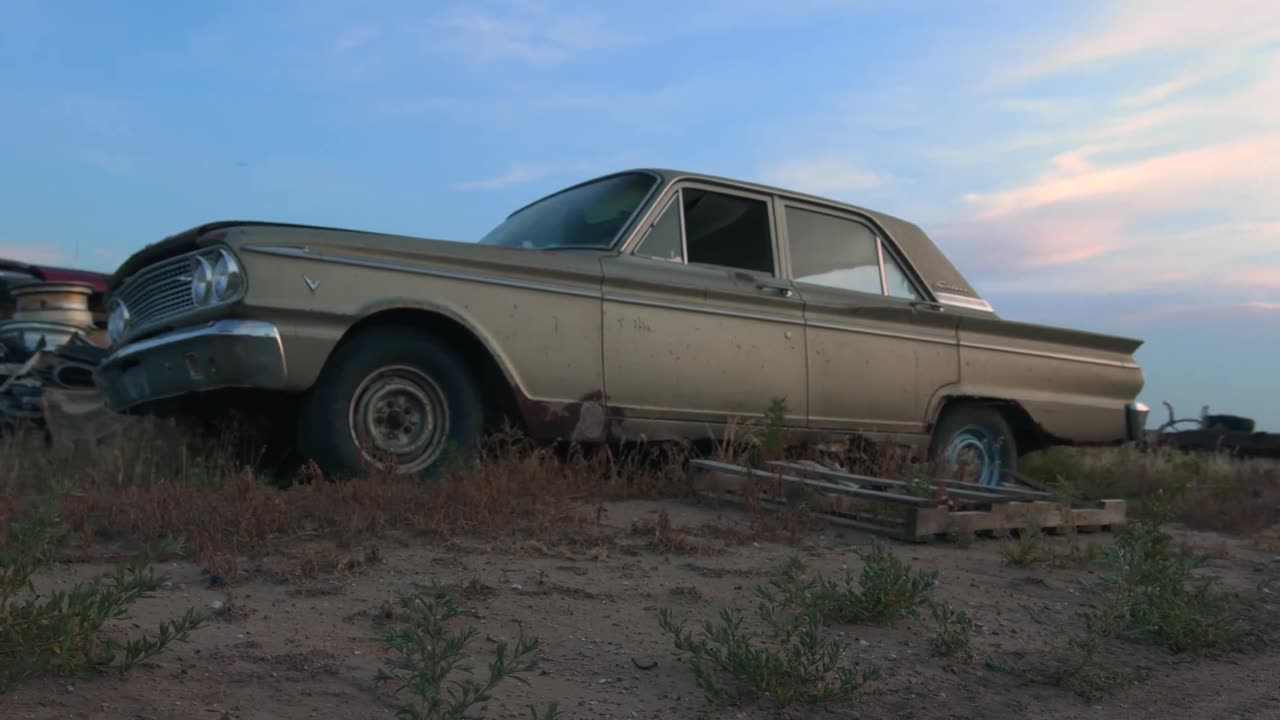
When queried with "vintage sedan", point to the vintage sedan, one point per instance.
{"points": [[645, 304]]}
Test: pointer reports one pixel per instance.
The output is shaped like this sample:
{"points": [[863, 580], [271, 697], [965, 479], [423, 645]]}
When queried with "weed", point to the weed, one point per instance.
{"points": [[1078, 670], [919, 487], [954, 635], [775, 441], [64, 632], [1031, 549], [1154, 597], [429, 654], [551, 711], [664, 537], [797, 664], [1147, 593], [1027, 550], [887, 591]]}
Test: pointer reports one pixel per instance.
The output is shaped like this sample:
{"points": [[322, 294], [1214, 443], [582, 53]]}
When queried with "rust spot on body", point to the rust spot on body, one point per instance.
{"points": [[583, 420]]}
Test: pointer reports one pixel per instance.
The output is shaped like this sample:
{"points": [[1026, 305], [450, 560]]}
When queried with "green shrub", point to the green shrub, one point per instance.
{"points": [[885, 592], [954, 635], [428, 653], [1152, 595], [63, 632]]}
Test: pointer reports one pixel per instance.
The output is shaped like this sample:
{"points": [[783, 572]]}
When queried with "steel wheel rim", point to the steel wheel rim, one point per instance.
{"points": [[976, 447], [399, 414]]}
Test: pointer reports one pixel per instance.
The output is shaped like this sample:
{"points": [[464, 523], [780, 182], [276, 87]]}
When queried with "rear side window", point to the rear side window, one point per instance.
{"points": [[833, 252]]}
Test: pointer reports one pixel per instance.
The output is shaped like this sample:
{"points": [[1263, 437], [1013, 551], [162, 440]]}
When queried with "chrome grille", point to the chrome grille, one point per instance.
{"points": [[158, 293]]}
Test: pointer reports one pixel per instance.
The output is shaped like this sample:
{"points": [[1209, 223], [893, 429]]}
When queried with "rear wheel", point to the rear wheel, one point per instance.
{"points": [[393, 398], [976, 442]]}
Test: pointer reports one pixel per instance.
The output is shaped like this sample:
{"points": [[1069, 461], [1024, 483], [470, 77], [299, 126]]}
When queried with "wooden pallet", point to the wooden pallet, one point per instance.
{"points": [[882, 505]]}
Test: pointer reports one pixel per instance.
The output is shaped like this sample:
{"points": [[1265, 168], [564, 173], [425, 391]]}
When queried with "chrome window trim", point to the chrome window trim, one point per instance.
{"points": [[884, 280], [964, 302], [677, 188], [629, 228], [884, 248], [644, 236]]}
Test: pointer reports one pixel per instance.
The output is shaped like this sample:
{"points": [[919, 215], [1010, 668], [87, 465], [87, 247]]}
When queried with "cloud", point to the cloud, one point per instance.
{"points": [[357, 36], [1130, 28], [1168, 181], [534, 37], [1189, 80], [1265, 277], [33, 254], [518, 173], [824, 176], [109, 161], [1167, 177], [98, 115]]}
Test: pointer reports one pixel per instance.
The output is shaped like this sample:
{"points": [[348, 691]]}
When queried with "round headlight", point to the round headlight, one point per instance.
{"points": [[201, 281], [117, 321], [227, 276]]}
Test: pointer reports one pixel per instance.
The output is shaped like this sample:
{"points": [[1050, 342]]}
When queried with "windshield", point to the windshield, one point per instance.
{"points": [[589, 215]]}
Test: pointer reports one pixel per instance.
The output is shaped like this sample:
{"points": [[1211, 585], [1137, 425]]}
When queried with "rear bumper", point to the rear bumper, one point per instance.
{"points": [[219, 355], [1135, 418]]}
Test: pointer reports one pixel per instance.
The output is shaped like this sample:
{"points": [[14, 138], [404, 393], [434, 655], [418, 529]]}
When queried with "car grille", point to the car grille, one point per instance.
{"points": [[158, 293]]}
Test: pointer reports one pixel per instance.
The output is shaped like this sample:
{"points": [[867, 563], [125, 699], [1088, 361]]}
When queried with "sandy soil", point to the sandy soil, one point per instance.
{"points": [[297, 637]]}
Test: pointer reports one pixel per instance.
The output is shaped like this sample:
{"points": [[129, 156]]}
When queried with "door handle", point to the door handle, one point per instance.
{"points": [[782, 290]]}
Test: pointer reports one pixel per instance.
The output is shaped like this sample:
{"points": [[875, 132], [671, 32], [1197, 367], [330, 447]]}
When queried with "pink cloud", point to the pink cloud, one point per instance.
{"points": [[1163, 182], [1132, 27], [1086, 221], [33, 254], [1266, 277]]}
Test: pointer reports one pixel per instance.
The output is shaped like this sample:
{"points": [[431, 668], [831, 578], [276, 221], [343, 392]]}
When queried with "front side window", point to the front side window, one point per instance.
{"points": [[589, 215], [833, 252], [719, 229], [665, 240]]}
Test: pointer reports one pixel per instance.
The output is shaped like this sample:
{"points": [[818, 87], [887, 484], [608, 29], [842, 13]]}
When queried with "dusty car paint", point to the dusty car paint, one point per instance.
{"points": [[597, 343]]}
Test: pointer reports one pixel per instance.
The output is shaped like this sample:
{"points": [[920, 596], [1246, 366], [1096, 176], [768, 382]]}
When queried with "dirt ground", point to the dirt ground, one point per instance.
{"points": [[297, 637]]}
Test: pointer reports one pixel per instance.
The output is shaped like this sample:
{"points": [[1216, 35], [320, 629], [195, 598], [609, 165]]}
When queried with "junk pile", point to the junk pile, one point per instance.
{"points": [[1216, 432], [49, 347]]}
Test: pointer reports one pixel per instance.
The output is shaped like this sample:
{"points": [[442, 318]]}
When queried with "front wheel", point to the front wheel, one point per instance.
{"points": [[392, 398], [976, 442]]}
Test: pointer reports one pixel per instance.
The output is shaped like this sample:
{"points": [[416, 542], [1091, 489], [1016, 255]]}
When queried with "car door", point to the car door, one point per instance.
{"points": [[698, 325], [877, 351]]}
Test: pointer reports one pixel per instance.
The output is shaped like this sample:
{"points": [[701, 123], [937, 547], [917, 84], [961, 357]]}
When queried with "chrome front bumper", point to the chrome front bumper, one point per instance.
{"points": [[221, 354]]}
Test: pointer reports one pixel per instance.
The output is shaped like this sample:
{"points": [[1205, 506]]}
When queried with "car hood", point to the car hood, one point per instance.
{"points": [[322, 239]]}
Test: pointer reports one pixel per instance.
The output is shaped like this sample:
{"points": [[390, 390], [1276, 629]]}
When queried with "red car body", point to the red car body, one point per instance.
{"points": [[18, 273]]}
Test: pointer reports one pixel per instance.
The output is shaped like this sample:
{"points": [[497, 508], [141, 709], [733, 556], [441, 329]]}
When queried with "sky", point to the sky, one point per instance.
{"points": [[1109, 166]]}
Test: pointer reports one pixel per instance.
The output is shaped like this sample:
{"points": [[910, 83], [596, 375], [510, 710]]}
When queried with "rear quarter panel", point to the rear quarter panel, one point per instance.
{"points": [[1074, 384]]}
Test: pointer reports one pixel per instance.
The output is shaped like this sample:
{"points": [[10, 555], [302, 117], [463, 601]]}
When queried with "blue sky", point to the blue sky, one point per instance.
{"points": [[1111, 166]]}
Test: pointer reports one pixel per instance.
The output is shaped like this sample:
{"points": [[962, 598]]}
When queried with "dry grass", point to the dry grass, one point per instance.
{"points": [[1218, 492], [154, 482]]}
